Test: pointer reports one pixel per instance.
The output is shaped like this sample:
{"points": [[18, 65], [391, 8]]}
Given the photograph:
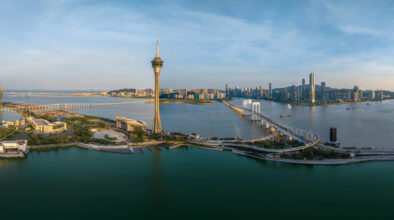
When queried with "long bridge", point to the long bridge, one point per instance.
{"points": [[309, 138], [39, 94], [64, 106]]}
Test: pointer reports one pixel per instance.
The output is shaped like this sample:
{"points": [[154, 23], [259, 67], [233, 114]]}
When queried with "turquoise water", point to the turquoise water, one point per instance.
{"points": [[192, 183], [189, 183]]}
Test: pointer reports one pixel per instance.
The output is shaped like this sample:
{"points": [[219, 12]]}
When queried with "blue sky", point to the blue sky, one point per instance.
{"points": [[86, 44]]}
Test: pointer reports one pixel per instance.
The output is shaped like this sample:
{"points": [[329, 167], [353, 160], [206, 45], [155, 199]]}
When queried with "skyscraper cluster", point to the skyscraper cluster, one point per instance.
{"points": [[311, 93], [258, 92]]}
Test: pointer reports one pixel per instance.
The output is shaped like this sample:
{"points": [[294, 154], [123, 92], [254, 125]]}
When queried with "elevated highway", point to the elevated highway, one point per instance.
{"points": [[309, 138], [39, 94], [298, 134], [265, 138]]}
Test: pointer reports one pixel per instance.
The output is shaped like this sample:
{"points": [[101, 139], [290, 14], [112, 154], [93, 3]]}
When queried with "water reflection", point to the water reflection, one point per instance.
{"points": [[157, 196]]}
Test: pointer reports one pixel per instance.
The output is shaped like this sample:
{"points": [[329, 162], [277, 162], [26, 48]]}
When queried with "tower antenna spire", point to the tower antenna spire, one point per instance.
{"points": [[157, 47]]}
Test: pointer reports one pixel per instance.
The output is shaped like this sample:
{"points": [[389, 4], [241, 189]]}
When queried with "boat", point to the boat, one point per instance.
{"points": [[289, 106], [285, 116]]}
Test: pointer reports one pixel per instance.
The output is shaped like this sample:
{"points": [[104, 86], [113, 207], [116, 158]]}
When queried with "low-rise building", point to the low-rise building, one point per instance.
{"points": [[45, 126], [9, 147], [128, 124], [10, 123]]}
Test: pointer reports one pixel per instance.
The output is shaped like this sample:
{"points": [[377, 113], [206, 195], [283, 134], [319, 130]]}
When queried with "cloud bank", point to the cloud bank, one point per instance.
{"points": [[108, 44]]}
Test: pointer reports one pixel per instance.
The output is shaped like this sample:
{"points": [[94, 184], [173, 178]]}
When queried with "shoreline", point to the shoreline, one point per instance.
{"points": [[166, 101], [331, 162], [337, 103], [305, 104], [98, 147], [209, 101], [324, 162], [125, 149]]}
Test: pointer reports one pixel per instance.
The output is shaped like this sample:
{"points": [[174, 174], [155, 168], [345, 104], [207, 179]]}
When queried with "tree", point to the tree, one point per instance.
{"points": [[32, 138]]}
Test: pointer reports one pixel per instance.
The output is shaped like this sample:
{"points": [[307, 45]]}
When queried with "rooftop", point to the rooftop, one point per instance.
{"points": [[41, 122], [15, 143], [129, 120]]}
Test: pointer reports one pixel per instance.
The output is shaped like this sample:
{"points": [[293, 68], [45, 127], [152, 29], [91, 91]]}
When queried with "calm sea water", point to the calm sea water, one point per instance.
{"points": [[192, 183]]}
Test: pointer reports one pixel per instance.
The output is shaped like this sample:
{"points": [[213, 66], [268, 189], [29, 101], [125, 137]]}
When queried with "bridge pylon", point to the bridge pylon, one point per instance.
{"points": [[255, 111], [246, 106]]}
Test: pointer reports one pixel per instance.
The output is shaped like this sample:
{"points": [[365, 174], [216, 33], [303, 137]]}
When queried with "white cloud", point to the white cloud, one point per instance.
{"points": [[109, 46], [355, 29]]}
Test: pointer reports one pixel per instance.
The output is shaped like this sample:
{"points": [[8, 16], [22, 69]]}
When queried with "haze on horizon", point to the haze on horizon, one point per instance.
{"points": [[86, 44]]}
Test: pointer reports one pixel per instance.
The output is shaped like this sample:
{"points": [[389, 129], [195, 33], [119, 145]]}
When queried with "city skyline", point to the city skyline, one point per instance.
{"points": [[81, 44], [278, 109]]}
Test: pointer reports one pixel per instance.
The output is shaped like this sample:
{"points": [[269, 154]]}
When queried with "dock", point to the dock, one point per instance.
{"points": [[12, 155], [174, 146]]}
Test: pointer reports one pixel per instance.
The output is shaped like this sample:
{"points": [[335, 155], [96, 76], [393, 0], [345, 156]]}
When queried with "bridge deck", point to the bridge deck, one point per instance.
{"points": [[64, 106], [309, 138]]}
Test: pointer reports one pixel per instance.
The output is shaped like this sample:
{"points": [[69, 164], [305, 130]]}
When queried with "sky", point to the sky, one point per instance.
{"points": [[86, 44]]}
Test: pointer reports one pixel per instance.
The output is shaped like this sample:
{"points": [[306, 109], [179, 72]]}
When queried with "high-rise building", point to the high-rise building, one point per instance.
{"points": [[293, 97], [270, 90], [227, 91], [312, 91], [157, 64], [356, 94], [260, 92], [286, 95], [323, 92], [333, 135], [381, 95], [183, 92], [303, 93], [349, 95], [372, 95], [299, 92]]}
